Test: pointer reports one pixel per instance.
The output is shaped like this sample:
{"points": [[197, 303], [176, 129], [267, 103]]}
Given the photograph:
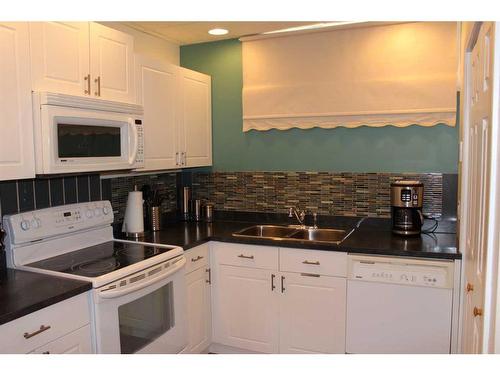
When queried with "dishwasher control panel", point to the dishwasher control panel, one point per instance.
{"points": [[401, 271]]}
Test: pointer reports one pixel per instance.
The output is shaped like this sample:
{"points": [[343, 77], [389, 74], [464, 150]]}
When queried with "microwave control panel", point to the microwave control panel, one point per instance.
{"points": [[139, 159]]}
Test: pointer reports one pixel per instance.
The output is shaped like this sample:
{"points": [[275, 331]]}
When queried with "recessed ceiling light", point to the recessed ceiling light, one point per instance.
{"points": [[218, 32]]}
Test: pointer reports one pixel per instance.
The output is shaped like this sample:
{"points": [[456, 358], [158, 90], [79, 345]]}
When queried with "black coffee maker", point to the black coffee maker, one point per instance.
{"points": [[407, 199]]}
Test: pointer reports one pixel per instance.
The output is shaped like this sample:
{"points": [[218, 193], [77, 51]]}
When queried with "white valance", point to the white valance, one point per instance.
{"points": [[400, 74]]}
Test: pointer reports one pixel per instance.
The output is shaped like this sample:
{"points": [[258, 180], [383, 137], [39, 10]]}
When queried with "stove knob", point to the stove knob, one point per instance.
{"points": [[90, 213], [98, 212], [35, 223], [105, 210], [25, 225]]}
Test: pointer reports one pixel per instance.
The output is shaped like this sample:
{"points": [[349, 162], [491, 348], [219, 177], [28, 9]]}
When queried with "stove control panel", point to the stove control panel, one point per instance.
{"points": [[36, 225], [412, 272]]}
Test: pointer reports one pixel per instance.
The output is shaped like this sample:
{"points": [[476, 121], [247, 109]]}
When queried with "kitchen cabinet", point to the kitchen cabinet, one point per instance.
{"points": [[83, 59], [312, 314], [177, 115], [278, 300], [56, 328], [16, 121], [199, 319]]}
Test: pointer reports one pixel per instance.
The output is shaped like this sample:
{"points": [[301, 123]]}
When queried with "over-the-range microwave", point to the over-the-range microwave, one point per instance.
{"points": [[75, 134]]}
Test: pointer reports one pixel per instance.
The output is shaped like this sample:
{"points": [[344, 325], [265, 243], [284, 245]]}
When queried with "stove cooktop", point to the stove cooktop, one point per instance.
{"points": [[98, 260]]}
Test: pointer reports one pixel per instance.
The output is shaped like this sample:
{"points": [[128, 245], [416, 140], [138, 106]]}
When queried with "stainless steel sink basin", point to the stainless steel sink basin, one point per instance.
{"points": [[266, 231], [320, 235], [280, 232]]}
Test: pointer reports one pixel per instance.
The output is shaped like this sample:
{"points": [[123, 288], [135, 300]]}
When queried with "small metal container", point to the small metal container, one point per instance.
{"points": [[197, 210], [155, 218], [209, 213]]}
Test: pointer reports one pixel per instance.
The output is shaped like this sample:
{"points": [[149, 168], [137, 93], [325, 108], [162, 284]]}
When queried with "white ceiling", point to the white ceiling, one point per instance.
{"points": [[197, 32]]}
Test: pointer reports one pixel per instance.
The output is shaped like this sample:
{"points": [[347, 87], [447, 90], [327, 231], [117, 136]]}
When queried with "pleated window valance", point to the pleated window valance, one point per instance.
{"points": [[399, 75]]}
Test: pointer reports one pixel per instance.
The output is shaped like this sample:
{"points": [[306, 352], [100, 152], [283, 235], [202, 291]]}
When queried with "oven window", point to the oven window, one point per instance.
{"points": [[85, 141], [145, 319]]}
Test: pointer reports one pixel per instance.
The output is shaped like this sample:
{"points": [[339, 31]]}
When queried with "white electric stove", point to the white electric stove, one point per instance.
{"points": [[138, 296]]}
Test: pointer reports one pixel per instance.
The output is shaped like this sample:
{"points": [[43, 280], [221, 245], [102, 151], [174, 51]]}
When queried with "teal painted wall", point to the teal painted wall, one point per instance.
{"points": [[364, 149]]}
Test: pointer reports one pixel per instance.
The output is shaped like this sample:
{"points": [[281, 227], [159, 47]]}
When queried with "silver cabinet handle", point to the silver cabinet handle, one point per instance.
{"points": [[209, 281], [310, 274], [30, 335], [87, 78], [282, 284], [245, 256], [183, 158], [177, 158], [316, 263], [98, 81], [196, 259], [272, 281]]}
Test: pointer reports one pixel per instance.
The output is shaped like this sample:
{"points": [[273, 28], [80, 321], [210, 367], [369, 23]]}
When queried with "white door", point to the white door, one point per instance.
{"points": [[246, 309], [198, 311], [112, 64], [16, 121], [157, 93], [312, 314], [76, 342], [195, 118], [60, 57], [477, 141]]}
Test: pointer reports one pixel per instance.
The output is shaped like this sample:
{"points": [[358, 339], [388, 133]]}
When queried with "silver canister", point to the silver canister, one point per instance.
{"points": [[209, 213], [155, 217], [197, 210], [186, 197]]}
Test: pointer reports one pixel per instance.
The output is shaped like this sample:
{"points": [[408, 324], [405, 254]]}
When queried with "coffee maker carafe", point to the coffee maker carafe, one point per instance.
{"points": [[406, 207]]}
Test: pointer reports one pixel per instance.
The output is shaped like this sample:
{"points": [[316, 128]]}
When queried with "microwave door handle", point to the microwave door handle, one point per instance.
{"points": [[139, 285], [133, 131]]}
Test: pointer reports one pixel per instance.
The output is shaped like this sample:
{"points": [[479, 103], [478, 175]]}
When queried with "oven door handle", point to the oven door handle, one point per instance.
{"points": [[135, 136], [149, 281]]}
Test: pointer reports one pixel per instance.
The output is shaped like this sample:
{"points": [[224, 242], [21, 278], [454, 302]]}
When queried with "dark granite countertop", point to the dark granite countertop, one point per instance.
{"points": [[373, 236], [22, 292]]}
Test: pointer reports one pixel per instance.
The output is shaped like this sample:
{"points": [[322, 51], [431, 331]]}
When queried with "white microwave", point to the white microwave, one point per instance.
{"points": [[75, 134]]}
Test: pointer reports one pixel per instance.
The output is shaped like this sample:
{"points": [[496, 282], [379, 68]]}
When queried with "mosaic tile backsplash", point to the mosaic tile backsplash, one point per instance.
{"points": [[328, 193]]}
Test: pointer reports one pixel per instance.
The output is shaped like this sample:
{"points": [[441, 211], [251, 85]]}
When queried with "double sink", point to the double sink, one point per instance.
{"points": [[294, 233]]}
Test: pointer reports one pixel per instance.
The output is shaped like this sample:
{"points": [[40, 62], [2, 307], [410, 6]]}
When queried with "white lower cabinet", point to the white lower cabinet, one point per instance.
{"points": [[76, 342], [199, 316], [312, 314], [263, 308]]}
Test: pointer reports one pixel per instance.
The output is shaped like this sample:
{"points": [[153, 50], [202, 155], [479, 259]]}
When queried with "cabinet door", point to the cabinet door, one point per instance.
{"points": [[157, 93], [199, 318], [76, 342], [312, 314], [245, 309], [195, 118], [16, 122], [112, 64], [60, 57]]}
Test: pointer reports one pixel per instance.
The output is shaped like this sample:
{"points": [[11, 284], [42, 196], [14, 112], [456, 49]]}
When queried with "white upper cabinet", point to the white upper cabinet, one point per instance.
{"points": [[195, 118], [84, 59], [16, 121], [156, 92], [177, 115], [60, 57], [112, 63]]}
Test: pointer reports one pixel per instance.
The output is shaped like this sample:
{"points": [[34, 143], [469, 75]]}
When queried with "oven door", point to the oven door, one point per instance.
{"points": [[83, 140], [144, 312]]}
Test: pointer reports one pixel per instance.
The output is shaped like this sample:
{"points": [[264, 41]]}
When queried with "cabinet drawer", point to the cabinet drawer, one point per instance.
{"points": [[62, 318], [327, 263], [76, 342], [234, 254], [196, 257]]}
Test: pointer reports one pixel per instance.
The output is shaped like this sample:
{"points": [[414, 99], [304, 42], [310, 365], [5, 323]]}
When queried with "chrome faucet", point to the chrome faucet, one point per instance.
{"points": [[301, 217]]}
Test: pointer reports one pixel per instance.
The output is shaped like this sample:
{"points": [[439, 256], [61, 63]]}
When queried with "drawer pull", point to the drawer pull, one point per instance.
{"points": [[282, 284], [209, 281], [196, 259], [30, 335], [272, 281], [316, 263], [47, 352], [245, 256], [310, 274]]}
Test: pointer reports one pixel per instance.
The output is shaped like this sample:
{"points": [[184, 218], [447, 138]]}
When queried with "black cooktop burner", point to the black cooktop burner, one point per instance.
{"points": [[100, 259]]}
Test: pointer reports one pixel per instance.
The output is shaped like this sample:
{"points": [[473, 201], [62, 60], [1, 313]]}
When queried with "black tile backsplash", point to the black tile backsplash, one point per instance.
{"points": [[35, 194]]}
